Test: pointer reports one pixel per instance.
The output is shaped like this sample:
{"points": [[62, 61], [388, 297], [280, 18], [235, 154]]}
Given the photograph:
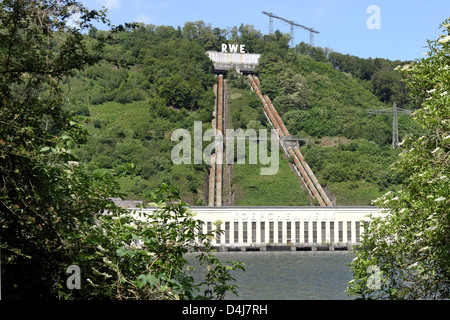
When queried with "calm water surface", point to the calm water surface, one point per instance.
{"points": [[293, 275]]}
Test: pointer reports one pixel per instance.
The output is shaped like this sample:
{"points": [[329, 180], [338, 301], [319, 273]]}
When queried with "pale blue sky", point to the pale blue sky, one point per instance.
{"points": [[405, 25]]}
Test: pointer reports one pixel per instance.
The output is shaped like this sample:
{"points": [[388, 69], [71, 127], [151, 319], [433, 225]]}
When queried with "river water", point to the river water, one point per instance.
{"points": [[290, 275]]}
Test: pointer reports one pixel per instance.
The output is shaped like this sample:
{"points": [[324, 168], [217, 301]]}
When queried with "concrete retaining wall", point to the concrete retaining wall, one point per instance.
{"points": [[242, 62]]}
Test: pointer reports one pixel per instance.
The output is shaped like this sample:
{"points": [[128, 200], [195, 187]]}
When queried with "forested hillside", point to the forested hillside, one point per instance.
{"points": [[155, 79]]}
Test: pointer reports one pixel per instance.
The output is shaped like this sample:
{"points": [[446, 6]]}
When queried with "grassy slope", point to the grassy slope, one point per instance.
{"points": [[126, 124], [281, 189], [250, 188], [337, 111]]}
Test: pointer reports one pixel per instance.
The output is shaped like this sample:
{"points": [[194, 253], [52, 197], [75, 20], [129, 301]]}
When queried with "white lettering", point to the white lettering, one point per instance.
{"points": [[283, 216], [199, 310], [233, 48]]}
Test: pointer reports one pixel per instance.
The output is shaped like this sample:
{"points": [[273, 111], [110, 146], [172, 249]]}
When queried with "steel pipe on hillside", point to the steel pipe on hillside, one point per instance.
{"points": [[219, 157], [276, 123], [305, 176], [266, 106], [212, 181], [308, 178], [313, 177], [300, 156], [212, 161], [277, 116]]}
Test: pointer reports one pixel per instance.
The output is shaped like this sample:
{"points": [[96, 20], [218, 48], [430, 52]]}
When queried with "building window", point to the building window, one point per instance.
{"points": [[218, 234], [358, 232], [280, 232], [332, 231], [314, 231], [236, 232], [200, 233], [306, 231], [341, 231], [288, 232], [297, 231], [244, 232], [324, 231], [227, 232], [270, 232], [349, 231], [253, 232], [263, 231], [208, 228]]}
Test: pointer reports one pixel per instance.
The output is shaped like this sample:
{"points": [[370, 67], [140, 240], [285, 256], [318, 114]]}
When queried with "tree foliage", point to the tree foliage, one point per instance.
{"points": [[324, 96], [142, 256], [39, 208], [409, 246], [386, 82], [57, 211]]}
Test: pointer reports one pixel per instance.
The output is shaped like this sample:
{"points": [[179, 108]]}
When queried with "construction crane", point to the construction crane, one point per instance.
{"points": [[395, 112], [293, 25]]}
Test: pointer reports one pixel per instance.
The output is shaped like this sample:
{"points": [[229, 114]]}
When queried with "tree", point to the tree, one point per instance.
{"points": [[39, 208], [142, 255], [405, 254], [293, 93], [386, 85], [53, 207]]}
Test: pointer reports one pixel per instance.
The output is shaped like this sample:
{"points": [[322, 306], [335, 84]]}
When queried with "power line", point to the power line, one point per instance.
{"points": [[395, 112]]}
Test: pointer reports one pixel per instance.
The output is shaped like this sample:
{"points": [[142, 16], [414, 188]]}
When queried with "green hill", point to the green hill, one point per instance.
{"points": [[155, 79]]}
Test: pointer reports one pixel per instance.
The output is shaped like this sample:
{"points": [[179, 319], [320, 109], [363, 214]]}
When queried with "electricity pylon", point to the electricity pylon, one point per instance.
{"points": [[293, 25], [395, 112]]}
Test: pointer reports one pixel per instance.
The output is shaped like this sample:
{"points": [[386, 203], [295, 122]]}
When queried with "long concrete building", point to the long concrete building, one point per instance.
{"points": [[291, 228]]}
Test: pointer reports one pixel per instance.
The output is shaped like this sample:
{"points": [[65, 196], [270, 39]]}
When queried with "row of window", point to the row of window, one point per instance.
{"points": [[288, 232]]}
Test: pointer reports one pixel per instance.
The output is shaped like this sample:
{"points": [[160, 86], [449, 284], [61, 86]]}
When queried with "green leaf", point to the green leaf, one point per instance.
{"points": [[121, 252], [145, 279]]}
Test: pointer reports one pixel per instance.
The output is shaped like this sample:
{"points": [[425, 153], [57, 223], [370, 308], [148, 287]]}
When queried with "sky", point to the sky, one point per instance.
{"points": [[390, 29]]}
